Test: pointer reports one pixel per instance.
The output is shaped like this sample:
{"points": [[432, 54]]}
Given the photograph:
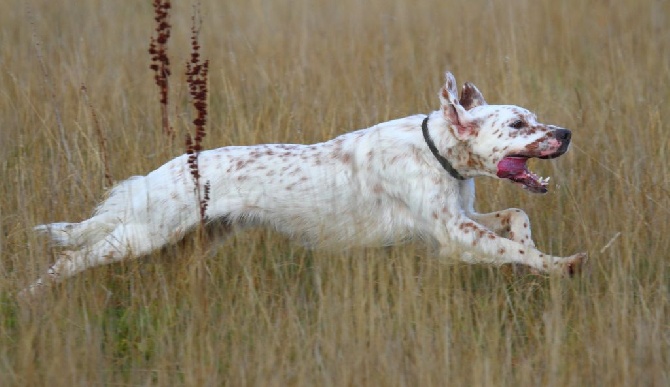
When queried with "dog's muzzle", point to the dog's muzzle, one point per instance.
{"points": [[564, 136], [514, 168]]}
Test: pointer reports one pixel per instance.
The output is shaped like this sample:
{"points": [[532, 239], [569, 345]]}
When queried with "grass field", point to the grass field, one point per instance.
{"points": [[266, 312]]}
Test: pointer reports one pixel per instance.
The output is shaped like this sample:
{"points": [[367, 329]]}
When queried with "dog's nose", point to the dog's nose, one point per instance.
{"points": [[563, 134]]}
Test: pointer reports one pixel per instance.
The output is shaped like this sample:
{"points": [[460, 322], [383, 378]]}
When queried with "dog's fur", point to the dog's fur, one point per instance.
{"points": [[372, 187]]}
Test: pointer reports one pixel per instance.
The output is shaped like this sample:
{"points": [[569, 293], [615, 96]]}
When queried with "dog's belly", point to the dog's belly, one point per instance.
{"points": [[328, 211], [338, 223], [305, 193]]}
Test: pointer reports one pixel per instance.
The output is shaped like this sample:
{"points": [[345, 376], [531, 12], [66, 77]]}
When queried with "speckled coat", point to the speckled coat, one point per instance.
{"points": [[372, 187]]}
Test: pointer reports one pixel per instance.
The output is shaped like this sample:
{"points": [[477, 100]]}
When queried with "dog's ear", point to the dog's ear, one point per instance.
{"points": [[460, 119], [471, 97]]}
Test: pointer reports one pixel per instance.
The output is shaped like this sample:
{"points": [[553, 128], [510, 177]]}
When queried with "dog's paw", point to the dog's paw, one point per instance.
{"points": [[574, 264]]}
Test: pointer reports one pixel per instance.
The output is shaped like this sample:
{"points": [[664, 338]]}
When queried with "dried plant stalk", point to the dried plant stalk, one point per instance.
{"points": [[160, 62], [196, 77]]}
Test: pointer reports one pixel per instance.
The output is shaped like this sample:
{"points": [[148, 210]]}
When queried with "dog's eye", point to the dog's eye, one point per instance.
{"points": [[518, 124]]}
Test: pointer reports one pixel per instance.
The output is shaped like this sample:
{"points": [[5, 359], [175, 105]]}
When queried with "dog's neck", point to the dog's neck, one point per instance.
{"points": [[433, 149]]}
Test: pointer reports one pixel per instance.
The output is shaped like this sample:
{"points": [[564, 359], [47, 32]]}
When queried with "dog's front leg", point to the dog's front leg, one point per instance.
{"points": [[489, 247], [511, 223]]}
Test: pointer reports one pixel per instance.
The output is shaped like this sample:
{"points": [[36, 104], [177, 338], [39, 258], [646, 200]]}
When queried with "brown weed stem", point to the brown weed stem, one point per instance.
{"points": [[160, 63], [196, 77]]}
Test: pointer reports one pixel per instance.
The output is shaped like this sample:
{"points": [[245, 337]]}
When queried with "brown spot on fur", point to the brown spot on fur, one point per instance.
{"points": [[346, 158], [467, 225], [240, 164], [501, 251], [521, 252]]}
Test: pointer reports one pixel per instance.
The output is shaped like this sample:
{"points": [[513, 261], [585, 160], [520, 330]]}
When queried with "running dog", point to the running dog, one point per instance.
{"points": [[408, 178]]}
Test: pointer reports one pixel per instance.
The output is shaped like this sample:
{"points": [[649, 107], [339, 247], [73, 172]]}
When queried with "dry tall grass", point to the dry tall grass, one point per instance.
{"points": [[265, 312]]}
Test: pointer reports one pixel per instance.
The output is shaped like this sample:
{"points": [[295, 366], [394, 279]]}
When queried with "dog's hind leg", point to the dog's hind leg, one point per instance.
{"points": [[124, 241]]}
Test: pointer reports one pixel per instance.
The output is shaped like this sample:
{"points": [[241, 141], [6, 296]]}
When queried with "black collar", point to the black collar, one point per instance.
{"points": [[431, 145]]}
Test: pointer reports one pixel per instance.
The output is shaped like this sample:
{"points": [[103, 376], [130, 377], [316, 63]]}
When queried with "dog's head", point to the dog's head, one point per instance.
{"points": [[498, 140]]}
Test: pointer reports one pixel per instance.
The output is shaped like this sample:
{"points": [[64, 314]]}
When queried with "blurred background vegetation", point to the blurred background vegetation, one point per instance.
{"points": [[261, 311]]}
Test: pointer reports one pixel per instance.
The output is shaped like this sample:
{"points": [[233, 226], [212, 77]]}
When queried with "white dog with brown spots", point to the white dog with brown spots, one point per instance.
{"points": [[372, 187]]}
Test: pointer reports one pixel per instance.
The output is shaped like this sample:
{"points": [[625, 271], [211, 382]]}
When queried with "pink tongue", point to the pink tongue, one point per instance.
{"points": [[511, 166]]}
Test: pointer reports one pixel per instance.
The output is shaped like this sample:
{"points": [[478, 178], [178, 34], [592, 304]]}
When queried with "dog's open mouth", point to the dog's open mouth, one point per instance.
{"points": [[514, 168]]}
